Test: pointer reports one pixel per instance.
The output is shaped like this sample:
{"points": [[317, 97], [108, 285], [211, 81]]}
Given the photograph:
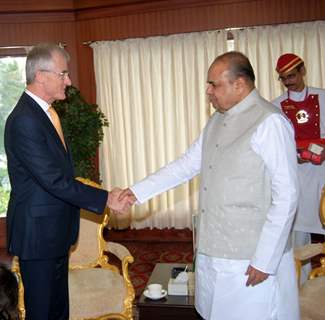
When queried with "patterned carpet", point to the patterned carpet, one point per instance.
{"points": [[148, 254], [149, 247]]}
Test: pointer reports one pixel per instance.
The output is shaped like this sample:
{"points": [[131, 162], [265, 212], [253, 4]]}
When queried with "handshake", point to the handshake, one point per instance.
{"points": [[120, 200]]}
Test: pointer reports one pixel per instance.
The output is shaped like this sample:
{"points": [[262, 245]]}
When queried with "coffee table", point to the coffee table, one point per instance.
{"points": [[170, 307]]}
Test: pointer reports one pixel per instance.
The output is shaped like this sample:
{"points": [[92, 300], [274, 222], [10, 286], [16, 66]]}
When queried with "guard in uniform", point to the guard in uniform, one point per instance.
{"points": [[304, 106]]}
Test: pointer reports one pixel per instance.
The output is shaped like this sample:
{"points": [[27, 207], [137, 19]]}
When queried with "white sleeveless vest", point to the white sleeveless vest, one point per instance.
{"points": [[235, 191]]}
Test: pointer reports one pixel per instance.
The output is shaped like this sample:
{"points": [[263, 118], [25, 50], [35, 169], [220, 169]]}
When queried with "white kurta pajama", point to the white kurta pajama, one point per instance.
{"points": [[220, 282]]}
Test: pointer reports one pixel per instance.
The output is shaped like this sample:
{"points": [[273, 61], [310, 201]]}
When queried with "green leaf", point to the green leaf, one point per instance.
{"points": [[82, 124]]}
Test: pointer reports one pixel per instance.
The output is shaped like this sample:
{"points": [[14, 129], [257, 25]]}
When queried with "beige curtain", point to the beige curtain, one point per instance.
{"points": [[263, 45], [153, 93]]}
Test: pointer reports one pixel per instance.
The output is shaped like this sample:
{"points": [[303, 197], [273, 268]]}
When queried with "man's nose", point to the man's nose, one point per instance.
{"points": [[67, 81]]}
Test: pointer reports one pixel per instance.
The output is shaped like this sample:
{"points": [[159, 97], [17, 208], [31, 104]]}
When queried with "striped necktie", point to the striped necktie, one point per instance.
{"points": [[57, 124]]}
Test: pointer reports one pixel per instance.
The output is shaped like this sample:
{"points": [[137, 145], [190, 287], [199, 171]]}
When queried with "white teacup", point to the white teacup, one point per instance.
{"points": [[155, 290]]}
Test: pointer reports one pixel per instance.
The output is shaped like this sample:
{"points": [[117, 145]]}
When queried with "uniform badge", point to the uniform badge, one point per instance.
{"points": [[302, 116], [288, 107]]}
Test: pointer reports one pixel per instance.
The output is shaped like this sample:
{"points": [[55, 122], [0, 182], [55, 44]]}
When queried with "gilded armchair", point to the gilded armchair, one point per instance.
{"points": [[312, 292], [98, 289]]}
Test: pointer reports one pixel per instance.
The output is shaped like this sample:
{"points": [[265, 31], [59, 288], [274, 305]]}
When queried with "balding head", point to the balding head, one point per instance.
{"points": [[238, 66], [230, 79]]}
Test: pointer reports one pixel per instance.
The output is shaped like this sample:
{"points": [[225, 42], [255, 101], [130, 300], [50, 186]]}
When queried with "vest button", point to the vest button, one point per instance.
{"points": [[210, 167], [205, 188], [217, 145], [202, 210]]}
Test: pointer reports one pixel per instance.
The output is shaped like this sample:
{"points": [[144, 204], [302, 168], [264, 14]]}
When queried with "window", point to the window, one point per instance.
{"points": [[12, 84]]}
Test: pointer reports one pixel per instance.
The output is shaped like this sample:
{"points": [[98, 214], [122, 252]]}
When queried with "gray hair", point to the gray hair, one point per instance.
{"points": [[40, 58]]}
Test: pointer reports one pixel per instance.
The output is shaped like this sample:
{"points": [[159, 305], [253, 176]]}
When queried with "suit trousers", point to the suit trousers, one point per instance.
{"points": [[46, 292]]}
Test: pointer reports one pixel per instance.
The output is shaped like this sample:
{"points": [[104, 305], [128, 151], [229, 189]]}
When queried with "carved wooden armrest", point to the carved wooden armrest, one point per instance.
{"points": [[118, 250]]}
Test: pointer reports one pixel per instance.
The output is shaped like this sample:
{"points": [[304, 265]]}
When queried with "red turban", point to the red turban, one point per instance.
{"points": [[287, 62]]}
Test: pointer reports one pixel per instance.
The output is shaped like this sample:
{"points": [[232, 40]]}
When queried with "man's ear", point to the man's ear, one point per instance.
{"points": [[39, 76], [240, 83], [303, 71]]}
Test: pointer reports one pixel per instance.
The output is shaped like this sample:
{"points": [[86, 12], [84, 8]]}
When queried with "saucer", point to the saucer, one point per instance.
{"points": [[147, 294]]}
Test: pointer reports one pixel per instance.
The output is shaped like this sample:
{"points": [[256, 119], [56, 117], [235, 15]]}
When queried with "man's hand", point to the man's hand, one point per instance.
{"points": [[115, 203], [129, 195], [255, 276]]}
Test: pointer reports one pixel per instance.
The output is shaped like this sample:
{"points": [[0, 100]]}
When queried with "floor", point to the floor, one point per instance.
{"points": [[149, 247]]}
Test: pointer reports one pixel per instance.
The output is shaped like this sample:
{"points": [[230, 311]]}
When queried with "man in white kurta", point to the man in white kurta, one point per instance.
{"points": [[308, 101], [248, 195]]}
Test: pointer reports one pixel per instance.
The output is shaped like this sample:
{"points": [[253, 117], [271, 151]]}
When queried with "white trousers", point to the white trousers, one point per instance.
{"points": [[221, 293]]}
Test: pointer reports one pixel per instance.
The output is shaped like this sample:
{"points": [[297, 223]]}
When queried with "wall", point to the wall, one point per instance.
{"points": [[26, 22], [2, 232], [129, 19]]}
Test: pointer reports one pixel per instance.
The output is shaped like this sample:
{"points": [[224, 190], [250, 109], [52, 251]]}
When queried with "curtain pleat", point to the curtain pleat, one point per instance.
{"points": [[263, 45], [153, 93]]}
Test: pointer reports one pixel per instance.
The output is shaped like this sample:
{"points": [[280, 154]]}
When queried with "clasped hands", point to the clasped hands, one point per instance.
{"points": [[121, 200]]}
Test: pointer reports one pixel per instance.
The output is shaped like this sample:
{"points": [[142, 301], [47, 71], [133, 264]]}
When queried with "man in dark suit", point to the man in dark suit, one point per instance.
{"points": [[43, 211]]}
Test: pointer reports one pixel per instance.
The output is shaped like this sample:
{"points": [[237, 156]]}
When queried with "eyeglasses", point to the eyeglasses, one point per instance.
{"points": [[61, 75], [290, 76]]}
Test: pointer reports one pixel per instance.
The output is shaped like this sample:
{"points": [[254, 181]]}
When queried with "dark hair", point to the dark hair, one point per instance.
{"points": [[8, 294], [238, 65]]}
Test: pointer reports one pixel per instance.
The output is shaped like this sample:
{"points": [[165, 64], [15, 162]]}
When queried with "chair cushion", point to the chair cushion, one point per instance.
{"points": [[95, 292], [312, 295], [86, 250]]}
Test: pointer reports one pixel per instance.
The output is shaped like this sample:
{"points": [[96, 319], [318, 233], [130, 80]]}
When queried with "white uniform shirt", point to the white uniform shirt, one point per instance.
{"points": [[311, 177]]}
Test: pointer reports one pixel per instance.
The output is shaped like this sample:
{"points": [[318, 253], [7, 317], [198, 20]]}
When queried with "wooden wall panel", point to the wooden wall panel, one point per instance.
{"points": [[26, 22], [152, 18], [27, 30], [35, 5], [88, 4], [116, 23], [3, 233]]}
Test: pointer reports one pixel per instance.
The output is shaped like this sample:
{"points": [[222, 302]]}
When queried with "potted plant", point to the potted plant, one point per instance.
{"points": [[82, 124]]}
